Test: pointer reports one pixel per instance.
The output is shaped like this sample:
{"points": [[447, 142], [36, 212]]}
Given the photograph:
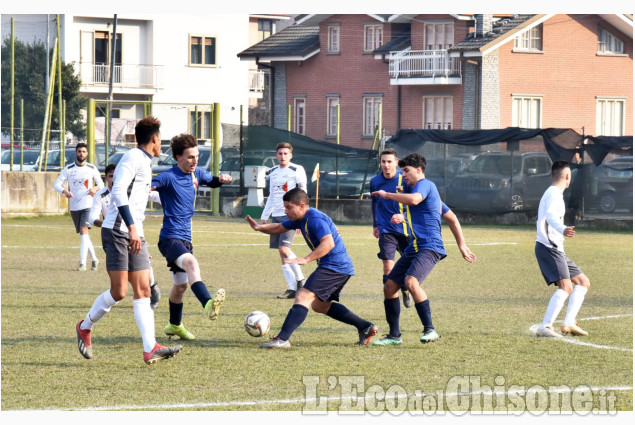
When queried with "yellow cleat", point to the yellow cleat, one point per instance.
{"points": [[180, 331]]}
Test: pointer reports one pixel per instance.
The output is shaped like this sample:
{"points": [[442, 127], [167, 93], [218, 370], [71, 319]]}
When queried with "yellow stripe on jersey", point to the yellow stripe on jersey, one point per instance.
{"points": [[306, 233], [195, 185], [405, 226], [414, 237]]}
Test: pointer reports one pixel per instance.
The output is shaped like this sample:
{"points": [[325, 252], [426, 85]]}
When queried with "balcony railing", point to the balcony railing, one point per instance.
{"points": [[423, 63], [124, 76], [256, 80]]}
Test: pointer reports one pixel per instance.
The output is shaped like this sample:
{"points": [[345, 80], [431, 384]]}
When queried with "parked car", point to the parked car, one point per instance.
{"points": [[500, 181], [442, 176], [612, 185], [116, 157], [53, 163], [168, 161], [30, 160], [353, 178]]}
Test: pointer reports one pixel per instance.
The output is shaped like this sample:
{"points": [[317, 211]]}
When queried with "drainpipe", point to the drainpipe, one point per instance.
{"points": [[476, 92], [271, 90], [384, 60]]}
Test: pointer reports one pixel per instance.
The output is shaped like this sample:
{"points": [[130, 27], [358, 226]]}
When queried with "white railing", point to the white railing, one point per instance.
{"points": [[256, 80], [124, 76], [423, 63]]}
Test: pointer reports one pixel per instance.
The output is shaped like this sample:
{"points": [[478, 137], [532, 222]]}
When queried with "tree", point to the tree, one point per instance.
{"points": [[30, 85]]}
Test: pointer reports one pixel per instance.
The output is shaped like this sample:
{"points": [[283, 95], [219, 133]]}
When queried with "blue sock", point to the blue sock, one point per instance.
{"points": [[423, 310], [176, 313], [339, 312], [294, 319], [201, 292], [393, 310]]}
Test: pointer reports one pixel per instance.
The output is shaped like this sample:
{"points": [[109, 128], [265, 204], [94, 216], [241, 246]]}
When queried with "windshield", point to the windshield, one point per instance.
{"points": [[30, 157], [494, 164]]}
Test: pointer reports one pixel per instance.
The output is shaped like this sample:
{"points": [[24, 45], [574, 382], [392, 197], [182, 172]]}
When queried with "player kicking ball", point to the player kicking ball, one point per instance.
{"points": [[322, 289]]}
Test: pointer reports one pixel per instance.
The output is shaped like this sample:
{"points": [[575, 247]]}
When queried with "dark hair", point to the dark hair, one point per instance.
{"points": [[413, 160], [145, 129], [296, 196], [557, 169], [181, 142], [389, 151], [284, 145], [81, 145], [109, 168]]}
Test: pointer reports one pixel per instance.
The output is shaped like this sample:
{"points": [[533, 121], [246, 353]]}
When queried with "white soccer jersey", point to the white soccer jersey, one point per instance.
{"points": [[80, 180], [282, 180], [102, 205], [131, 186], [550, 224]]}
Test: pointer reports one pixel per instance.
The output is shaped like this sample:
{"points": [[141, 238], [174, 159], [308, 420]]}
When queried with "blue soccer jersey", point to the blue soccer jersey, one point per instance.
{"points": [[424, 219], [177, 191], [384, 209], [314, 226]]}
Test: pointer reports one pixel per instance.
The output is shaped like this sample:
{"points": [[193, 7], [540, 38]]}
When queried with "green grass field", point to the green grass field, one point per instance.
{"points": [[483, 312]]}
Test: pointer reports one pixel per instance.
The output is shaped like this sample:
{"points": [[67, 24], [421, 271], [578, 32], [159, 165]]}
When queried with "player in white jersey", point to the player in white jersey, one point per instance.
{"points": [[282, 178], [102, 204], [83, 182], [127, 258], [555, 266]]}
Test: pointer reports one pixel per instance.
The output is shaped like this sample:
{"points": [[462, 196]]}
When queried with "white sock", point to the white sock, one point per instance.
{"points": [[100, 307], [144, 315], [555, 305], [83, 248], [289, 276], [151, 276], [297, 270], [575, 302], [91, 248]]}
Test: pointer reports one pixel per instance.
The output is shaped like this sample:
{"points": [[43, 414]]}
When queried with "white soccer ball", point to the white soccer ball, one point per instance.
{"points": [[257, 323]]}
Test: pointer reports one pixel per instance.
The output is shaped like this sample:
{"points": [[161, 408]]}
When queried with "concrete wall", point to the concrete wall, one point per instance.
{"points": [[31, 193]]}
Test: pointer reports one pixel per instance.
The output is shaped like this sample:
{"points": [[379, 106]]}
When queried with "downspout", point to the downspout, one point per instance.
{"points": [[476, 92], [383, 58], [271, 90]]}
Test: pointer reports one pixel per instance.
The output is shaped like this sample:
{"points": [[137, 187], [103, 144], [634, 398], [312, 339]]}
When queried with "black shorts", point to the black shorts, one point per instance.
{"points": [[283, 239], [418, 266], [118, 258], [80, 218], [172, 249], [555, 265], [326, 284], [389, 243]]}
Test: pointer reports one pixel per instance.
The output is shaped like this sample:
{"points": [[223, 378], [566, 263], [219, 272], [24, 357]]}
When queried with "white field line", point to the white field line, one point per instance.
{"points": [[322, 399]]}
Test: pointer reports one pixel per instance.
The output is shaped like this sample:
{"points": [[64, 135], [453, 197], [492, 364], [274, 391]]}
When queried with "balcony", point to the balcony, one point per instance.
{"points": [[423, 67], [256, 81], [124, 76]]}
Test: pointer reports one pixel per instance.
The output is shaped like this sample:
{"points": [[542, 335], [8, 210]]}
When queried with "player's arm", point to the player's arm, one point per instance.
{"points": [[59, 184], [268, 228], [555, 221], [267, 210], [410, 199], [99, 183], [325, 246], [455, 227], [95, 211], [300, 178], [212, 181], [124, 173]]}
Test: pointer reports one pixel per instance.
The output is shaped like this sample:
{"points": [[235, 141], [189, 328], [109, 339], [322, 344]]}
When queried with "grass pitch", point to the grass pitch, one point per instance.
{"points": [[483, 312]]}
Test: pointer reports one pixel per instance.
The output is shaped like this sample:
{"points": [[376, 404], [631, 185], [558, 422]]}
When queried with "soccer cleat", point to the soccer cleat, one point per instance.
{"points": [[389, 340], [275, 343], [289, 293], [81, 267], [429, 336], [180, 331], [94, 265], [547, 332], [160, 352], [574, 330], [84, 341], [407, 298], [366, 334], [213, 306], [155, 296], [300, 284]]}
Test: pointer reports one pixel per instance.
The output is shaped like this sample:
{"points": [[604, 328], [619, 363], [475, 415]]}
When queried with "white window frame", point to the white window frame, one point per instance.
{"points": [[530, 40], [438, 35], [204, 126], [299, 115], [438, 112], [609, 44], [331, 115], [376, 38], [523, 115], [333, 39], [370, 102], [610, 116], [203, 37]]}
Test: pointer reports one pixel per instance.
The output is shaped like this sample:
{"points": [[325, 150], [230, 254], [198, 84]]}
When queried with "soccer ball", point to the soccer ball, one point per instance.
{"points": [[257, 323]]}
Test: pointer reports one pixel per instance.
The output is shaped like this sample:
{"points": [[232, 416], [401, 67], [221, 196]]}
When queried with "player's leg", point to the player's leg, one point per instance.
{"points": [[581, 286], [555, 270], [211, 305], [422, 264], [85, 226], [155, 292], [389, 244], [83, 248], [175, 327], [285, 241]]}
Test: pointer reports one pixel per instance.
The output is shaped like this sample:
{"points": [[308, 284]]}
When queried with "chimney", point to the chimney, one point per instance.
{"points": [[483, 24]]}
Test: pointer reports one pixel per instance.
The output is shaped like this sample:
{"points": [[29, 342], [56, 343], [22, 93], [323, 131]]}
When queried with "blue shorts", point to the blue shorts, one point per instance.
{"points": [[555, 265], [283, 239], [326, 284], [389, 243], [418, 266], [173, 248]]}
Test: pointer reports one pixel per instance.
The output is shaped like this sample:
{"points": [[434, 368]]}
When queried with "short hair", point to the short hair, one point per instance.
{"points": [[181, 142], [296, 196], [413, 160], [81, 145], [109, 168], [146, 129], [389, 151], [284, 145], [557, 169]]}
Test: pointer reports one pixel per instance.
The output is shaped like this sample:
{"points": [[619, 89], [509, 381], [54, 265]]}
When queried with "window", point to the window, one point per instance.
{"points": [[438, 35], [333, 39], [608, 43], [299, 122], [372, 107], [610, 117], [529, 40], [103, 48], [114, 113], [202, 50], [331, 115], [438, 112], [264, 28], [200, 124], [526, 111], [373, 37]]}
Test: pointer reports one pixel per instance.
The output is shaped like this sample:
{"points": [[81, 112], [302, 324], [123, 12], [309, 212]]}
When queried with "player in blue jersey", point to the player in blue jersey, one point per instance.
{"points": [[177, 189], [423, 215], [322, 289]]}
